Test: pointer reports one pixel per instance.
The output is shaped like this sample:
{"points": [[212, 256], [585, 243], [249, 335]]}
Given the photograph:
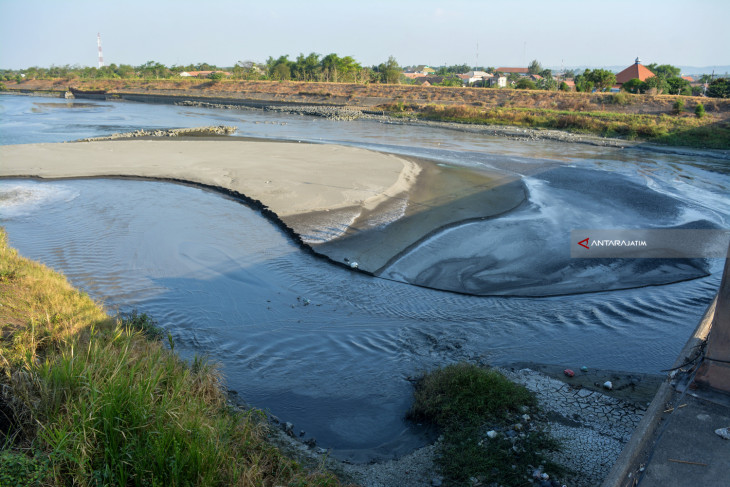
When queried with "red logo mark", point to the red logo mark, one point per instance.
{"points": [[584, 243]]}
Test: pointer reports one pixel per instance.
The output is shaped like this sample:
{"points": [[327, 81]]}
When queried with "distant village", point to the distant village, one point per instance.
{"points": [[635, 78]]}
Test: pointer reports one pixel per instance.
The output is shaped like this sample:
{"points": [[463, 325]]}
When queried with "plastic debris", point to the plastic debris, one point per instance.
{"points": [[526, 417], [723, 432], [584, 369], [608, 385], [354, 265], [492, 434], [569, 372]]}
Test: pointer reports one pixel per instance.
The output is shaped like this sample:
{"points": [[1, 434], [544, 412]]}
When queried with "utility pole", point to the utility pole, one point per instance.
{"points": [[101, 57]]}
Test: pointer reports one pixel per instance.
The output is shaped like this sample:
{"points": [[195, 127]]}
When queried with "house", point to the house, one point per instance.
{"points": [[688, 78], [413, 75], [520, 71], [499, 81], [474, 77], [429, 80], [423, 69], [535, 77], [635, 71]]}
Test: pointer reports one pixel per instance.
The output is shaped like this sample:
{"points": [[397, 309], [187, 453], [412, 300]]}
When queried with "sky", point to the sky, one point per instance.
{"points": [[474, 32]]}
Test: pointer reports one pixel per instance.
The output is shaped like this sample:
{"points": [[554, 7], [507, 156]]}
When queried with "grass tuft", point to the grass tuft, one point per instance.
{"points": [[466, 402]]}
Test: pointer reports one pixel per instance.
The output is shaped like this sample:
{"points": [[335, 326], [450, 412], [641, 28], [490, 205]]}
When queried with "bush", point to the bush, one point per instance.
{"points": [[464, 392], [678, 106], [464, 401], [3, 87], [700, 110], [620, 99], [525, 84]]}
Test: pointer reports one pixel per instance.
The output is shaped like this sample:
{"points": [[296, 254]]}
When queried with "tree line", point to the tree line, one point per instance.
{"points": [[336, 69], [311, 67]]}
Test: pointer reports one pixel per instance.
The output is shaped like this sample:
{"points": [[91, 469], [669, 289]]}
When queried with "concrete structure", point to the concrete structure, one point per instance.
{"points": [[679, 440], [499, 81], [474, 77]]}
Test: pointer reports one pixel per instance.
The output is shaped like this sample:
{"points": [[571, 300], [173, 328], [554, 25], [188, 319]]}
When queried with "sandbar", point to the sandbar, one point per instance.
{"points": [[366, 207]]}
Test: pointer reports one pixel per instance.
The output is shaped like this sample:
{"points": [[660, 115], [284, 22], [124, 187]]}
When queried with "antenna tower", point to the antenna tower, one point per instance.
{"points": [[101, 57]]}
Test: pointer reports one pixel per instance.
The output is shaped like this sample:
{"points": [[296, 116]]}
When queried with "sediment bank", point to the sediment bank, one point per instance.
{"points": [[357, 207]]}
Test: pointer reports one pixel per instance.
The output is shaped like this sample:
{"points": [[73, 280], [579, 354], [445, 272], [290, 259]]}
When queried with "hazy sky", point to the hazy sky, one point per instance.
{"points": [[508, 33]]}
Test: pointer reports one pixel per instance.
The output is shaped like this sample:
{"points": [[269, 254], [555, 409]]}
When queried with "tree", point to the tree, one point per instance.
{"points": [[564, 86], [546, 73], [634, 86], [568, 74], [720, 88], [306, 68], [664, 70], [281, 72], [548, 84], [390, 71], [525, 84], [602, 79], [534, 67], [451, 81], [582, 82], [679, 86], [655, 85]]}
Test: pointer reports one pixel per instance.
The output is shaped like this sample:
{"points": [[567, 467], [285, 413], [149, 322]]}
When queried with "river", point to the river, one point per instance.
{"points": [[332, 350]]}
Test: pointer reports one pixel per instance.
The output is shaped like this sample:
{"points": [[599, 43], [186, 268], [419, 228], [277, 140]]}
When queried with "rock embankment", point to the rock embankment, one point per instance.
{"points": [[325, 111], [180, 132]]}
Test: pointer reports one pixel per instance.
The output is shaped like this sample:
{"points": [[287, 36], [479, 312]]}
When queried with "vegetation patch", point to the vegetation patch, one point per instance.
{"points": [[89, 400], [488, 427], [686, 130]]}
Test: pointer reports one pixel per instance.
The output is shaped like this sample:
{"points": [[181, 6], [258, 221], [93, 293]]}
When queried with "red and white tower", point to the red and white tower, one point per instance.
{"points": [[101, 57]]}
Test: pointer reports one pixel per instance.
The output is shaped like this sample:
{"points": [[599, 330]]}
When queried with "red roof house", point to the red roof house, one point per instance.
{"points": [[635, 71], [512, 70]]}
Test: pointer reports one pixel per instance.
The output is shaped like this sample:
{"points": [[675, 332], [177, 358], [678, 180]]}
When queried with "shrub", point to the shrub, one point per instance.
{"points": [[678, 106], [700, 110], [463, 400], [620, 99]]}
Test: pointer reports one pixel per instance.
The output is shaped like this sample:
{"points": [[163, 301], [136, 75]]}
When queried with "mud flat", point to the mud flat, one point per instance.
{"points": [[357, 207]]}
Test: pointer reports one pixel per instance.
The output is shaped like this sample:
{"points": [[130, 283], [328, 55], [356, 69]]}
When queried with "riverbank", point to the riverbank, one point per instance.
{"points": [[357, 207], [631, 118], [591, 422]]}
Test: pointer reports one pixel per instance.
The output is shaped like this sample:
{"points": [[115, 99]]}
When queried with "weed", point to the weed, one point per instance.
{"points": [[465, 401]]}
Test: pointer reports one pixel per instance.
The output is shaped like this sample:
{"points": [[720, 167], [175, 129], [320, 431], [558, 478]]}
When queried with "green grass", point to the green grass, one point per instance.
{"points": [[90, 400], [662, 129], [466, 401]]}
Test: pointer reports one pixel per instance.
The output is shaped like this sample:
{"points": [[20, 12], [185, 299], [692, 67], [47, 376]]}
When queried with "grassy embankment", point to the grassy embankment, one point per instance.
{"points": [[676, 129], [487, 432], [644, 117], [91, 400]]}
